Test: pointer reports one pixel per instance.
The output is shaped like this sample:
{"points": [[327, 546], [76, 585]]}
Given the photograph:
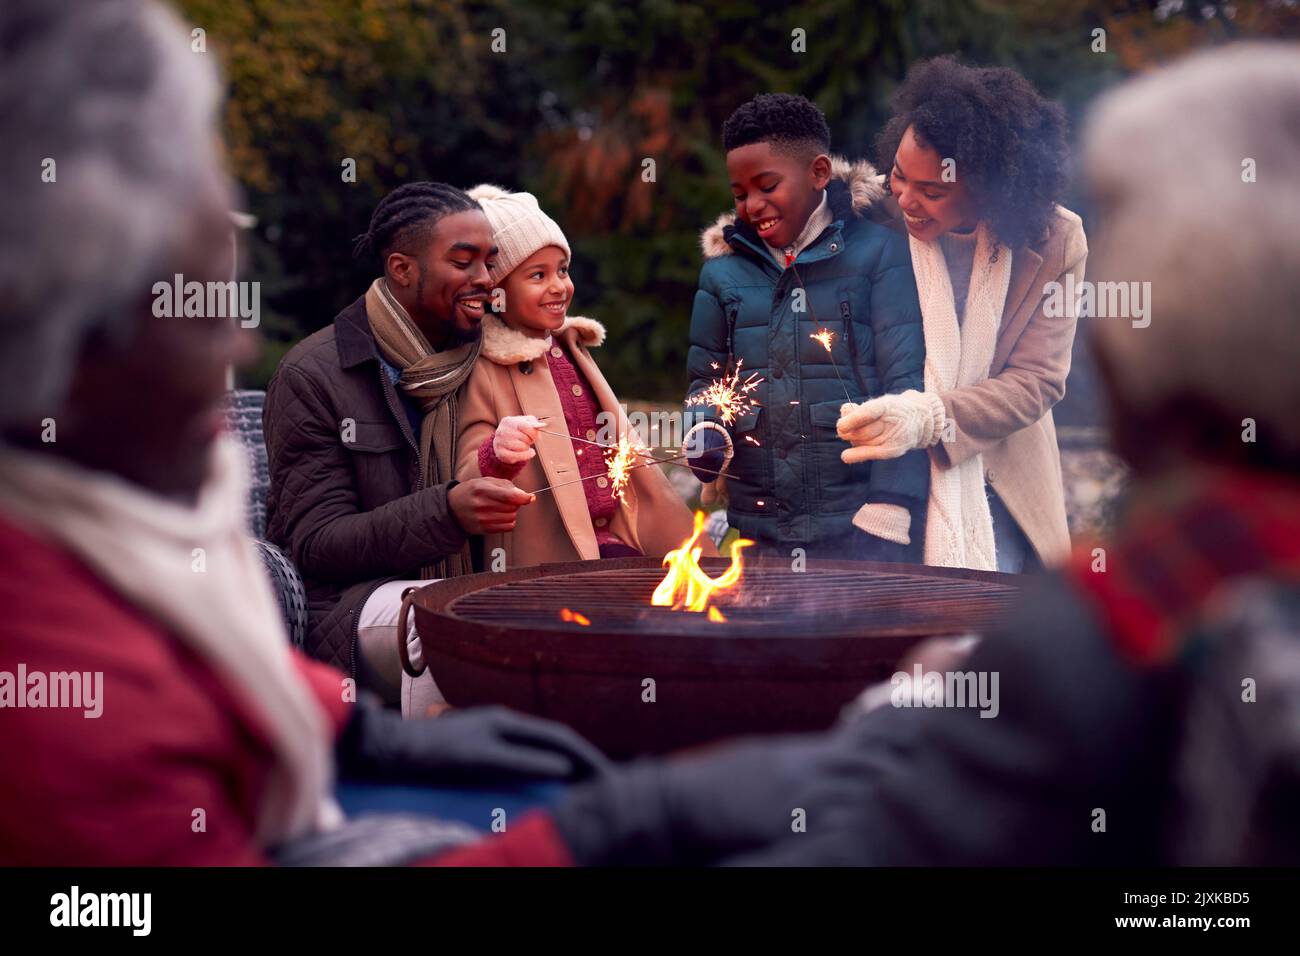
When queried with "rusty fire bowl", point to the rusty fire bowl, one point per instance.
{"points": [[795, 647]]}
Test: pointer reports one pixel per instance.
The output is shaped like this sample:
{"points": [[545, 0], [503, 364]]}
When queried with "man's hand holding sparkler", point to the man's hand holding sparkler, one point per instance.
{"points": [[890, 426]]}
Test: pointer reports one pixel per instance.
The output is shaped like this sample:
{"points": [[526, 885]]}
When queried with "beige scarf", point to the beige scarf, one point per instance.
{"points": [[959, 526], [194, 571], [432, 379]]}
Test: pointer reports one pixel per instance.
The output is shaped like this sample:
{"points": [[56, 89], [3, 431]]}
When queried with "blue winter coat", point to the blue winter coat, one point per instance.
{"points": [[787, 485]]}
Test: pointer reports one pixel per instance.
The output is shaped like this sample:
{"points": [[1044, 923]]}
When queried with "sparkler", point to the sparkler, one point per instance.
{"points": [[654, 460], [618, 462], [729, 395], [642, 452], [825, 336]]}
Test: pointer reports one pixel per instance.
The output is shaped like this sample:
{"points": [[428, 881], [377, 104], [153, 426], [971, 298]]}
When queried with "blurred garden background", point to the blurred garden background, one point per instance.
{"points": [[567, 98]]}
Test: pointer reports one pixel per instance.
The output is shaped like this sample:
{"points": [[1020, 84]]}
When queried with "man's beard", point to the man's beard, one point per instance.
{"points": [[456, 336]]}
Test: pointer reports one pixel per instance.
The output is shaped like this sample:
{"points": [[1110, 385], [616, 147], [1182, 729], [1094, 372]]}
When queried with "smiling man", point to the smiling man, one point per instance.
{"points": [[361, 423]]}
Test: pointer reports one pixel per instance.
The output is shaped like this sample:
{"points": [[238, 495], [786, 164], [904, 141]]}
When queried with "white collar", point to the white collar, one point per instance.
{"points": [[817, 221]]}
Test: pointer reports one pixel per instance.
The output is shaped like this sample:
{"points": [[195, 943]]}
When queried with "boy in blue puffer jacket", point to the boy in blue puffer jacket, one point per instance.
{"points": [[801, 255]]}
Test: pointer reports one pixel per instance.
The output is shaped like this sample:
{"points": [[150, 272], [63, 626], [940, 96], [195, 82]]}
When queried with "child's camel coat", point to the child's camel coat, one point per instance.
{"points": [[512, 378]]}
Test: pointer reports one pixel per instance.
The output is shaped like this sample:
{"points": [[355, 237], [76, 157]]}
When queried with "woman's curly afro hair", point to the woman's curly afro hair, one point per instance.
{"points": [[1008, 142]]}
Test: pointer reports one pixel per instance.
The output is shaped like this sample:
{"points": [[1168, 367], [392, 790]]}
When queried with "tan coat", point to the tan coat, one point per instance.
{"points": [[558, 526], [1008, 417]]}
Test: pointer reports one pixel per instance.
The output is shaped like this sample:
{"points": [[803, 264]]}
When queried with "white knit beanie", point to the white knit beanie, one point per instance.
{"points": [[519, 227]]}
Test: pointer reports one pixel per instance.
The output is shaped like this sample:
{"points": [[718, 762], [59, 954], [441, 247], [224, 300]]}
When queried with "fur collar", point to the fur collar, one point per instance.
{"points": [[507, 346], [859, 186]]}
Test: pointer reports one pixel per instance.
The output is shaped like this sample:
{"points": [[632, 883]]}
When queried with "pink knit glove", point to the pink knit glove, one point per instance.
{"points": [[513, 441], [890, 426]]}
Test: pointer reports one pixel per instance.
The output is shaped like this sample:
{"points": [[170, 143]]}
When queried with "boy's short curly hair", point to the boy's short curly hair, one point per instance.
{"points": [[785, 120], [1007, 140]]}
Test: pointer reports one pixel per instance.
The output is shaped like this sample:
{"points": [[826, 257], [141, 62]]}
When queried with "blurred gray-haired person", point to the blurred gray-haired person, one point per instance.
{"points": [[145, 676]]}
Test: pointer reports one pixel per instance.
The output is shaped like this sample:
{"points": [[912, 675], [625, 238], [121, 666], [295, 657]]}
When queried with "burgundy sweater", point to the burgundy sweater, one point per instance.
{"points": [[580, 416]]}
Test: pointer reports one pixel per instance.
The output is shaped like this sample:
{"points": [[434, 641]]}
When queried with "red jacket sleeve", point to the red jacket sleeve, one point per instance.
{"points": [[533, 842]]}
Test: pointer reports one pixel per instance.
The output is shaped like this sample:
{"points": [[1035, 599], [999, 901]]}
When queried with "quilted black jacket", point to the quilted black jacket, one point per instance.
{"points": [[350, 513]]}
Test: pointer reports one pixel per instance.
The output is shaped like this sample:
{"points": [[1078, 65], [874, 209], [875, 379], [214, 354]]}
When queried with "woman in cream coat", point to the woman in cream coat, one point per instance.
{"points": [[977, 159]]}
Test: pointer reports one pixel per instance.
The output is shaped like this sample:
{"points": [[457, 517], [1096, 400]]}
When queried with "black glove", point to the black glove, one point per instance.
{"points": [[482, 745], [698, 809], [870, 547]]}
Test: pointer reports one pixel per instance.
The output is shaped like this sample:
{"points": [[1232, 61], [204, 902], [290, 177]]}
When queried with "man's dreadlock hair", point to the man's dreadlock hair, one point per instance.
{"points": [[404, 219], [788, 122]]}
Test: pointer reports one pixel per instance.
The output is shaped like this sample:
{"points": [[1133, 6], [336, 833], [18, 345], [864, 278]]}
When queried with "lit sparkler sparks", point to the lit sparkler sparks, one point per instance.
{"points": [[618, 463], [825, 337], [729, 395]]}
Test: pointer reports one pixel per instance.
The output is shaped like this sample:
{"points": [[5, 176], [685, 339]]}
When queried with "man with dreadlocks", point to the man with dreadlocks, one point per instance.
{"points": [[361, 425]]}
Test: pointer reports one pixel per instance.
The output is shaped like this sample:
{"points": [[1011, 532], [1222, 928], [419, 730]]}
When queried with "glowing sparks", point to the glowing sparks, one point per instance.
{"points": [[686, 587], [729, 395], [825, 336], [752, 440], [573, 617], [618, 463]]}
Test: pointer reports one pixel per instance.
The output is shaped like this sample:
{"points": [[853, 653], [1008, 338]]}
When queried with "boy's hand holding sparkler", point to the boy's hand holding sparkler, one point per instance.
{"points": [[708, 450], [514, 438], [890, 426]]}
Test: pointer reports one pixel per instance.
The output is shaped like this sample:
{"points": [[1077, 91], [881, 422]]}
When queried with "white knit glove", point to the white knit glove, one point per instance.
{"points": [[890, 426], [513, 442], [891, 522]]}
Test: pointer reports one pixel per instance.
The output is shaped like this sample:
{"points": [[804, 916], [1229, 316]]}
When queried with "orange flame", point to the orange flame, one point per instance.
{"points": [[686, 587], [573, 617]]}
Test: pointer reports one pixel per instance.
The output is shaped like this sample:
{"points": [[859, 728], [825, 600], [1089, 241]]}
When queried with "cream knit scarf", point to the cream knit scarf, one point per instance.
{"points": [[217, 601], [959, 526]]}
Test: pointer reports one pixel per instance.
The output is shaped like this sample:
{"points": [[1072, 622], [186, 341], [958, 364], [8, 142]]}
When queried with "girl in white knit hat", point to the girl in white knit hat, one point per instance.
{"points": [[537, 410]]}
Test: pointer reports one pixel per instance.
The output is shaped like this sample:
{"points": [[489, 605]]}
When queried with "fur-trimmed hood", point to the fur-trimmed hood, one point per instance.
{"points": [[860, 187], [507, 346]]}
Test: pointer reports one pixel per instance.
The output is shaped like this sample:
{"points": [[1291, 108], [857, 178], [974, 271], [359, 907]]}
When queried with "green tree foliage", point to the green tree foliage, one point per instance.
{"points": [[583, 94]]}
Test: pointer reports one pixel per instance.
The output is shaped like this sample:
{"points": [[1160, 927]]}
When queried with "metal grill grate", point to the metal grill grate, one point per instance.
{"points": [[816, 602]]}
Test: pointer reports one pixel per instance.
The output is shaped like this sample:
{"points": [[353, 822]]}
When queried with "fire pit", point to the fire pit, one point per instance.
{"points": [[580, 643]]}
